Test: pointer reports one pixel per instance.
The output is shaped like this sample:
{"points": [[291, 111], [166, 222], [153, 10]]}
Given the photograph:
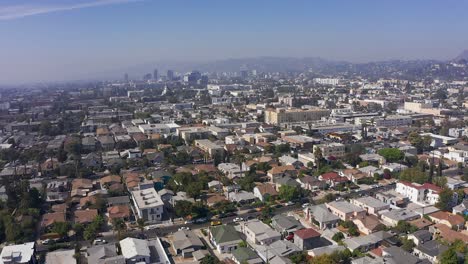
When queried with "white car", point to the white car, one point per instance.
{"points": [[184, 228], [305, 205], [99, 241], [238, 219]]}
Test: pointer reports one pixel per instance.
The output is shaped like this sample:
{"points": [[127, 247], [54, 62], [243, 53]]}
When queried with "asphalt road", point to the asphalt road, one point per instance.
{"points": [[163, 231]]}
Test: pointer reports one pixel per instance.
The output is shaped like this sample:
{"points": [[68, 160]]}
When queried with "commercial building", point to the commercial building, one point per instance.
{"points": [[281, 116]]}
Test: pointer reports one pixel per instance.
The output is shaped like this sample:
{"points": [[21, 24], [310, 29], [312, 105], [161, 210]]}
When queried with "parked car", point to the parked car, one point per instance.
{"points": [[288, 203], [99, 241], [184, 228], [238, 219], [305, 205], [200, 220], [216, 223], [290, 236]]}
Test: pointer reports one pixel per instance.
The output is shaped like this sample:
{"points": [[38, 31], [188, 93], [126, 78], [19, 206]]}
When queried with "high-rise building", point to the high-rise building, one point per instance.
{"points": [[147, 77], [170, 75], [126, 77], [155, 74], [244, 74]]}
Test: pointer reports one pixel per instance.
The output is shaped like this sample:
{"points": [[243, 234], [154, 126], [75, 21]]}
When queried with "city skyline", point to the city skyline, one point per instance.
{"points": [[89, 39]]}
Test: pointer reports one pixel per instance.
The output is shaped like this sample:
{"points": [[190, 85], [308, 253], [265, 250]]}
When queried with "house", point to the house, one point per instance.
{"points": [[311, 183], [420, 237], [344, 210], [257, 232], [280, 172], [288, 160], [245, 255], [280, 248], [286, 181], [89, 143], [430, 250], [231, 170], [216, 186], [306, 239], [443, 232], [427, 192], [396, 255], [118, 212], [224, 238], [118, 200], [368, 224], [61, 256], [391, 218], [57, 190], [264, 191], [185, 242], [462, 208], [453, 221], [285, 224], [332, 178], [148, 205], [92, 160], [143, 251], [85, 216], [20, 253], [366, 243], [50, 219], [319, 215], [108, 180], [370, 204], [325, 250], [242, 197], [107, 142], [104, 254]]}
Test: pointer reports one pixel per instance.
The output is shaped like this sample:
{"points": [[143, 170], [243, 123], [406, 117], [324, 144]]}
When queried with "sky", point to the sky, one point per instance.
{"points": [[55, 40]]}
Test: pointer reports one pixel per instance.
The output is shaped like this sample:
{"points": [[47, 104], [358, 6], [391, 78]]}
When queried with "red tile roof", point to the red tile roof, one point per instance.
{"points": [[307, 233]]}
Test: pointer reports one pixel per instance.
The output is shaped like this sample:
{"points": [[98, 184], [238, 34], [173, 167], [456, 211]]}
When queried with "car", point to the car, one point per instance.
{"points": [[46, 241], [216, 223], [305, 205], [188, 222], [99, 241], [200, 220], [186, 228], [290, 236], [288, 203], [237, 219]]}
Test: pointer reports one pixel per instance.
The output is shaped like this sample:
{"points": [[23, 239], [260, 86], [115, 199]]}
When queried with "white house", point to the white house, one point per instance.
{"points": [[256, 232], [16, 254], [422, 193], [143, 251]]}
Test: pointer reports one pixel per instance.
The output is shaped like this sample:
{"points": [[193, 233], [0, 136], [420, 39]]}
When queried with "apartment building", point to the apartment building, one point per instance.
{"points": [[148, 205], [336, 150], [281, 116], [209, 147]]}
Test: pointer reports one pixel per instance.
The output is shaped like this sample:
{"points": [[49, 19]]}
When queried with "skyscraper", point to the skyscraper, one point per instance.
{"points": [[155, 74], [126, 77], [170, 75]]}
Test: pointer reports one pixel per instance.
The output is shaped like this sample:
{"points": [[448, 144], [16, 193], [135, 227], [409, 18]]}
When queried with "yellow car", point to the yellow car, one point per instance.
{"points": [[216, 223]]}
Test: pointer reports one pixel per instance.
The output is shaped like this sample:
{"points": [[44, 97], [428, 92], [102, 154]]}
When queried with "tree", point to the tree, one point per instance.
{"points": [[289, 193], [183, 208], [141, 224], [337, 237], [242, 244], [392, 154], [445, 202], [405, 227], [407, 244], [318, 156], [449, 256], [414, 175], [210, 259], [61, 228], [118, 225]]}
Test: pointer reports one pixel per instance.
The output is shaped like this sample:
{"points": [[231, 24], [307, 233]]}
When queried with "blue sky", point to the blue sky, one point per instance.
{"points": [[44, 40]]}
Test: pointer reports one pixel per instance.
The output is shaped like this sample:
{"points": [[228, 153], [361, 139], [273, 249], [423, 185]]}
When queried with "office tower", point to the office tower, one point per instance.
{"points": [[155, 74], [170, 75], [126, 77], [244, 74]]}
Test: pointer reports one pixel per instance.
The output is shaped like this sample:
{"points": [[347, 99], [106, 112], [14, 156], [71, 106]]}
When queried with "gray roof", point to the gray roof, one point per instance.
{"points": [[326, 250], [357, 242], [97, 254], [371, 202], [118, 200], [184, 239], [242, 254], [422, 235], [400, 214], [321, 214], [345, 206], [432, 248], [396, 255], [224, 233], [284, 223]]}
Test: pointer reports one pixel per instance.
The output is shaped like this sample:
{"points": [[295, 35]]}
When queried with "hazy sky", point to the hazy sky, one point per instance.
{"points": [[42, 40]]}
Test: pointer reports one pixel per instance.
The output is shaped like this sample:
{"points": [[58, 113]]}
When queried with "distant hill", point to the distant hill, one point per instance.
{"points": [[462, 56]]}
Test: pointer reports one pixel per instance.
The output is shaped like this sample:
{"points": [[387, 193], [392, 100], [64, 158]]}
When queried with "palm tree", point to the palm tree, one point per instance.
{"points": [[141, 224], [118, 225]]}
